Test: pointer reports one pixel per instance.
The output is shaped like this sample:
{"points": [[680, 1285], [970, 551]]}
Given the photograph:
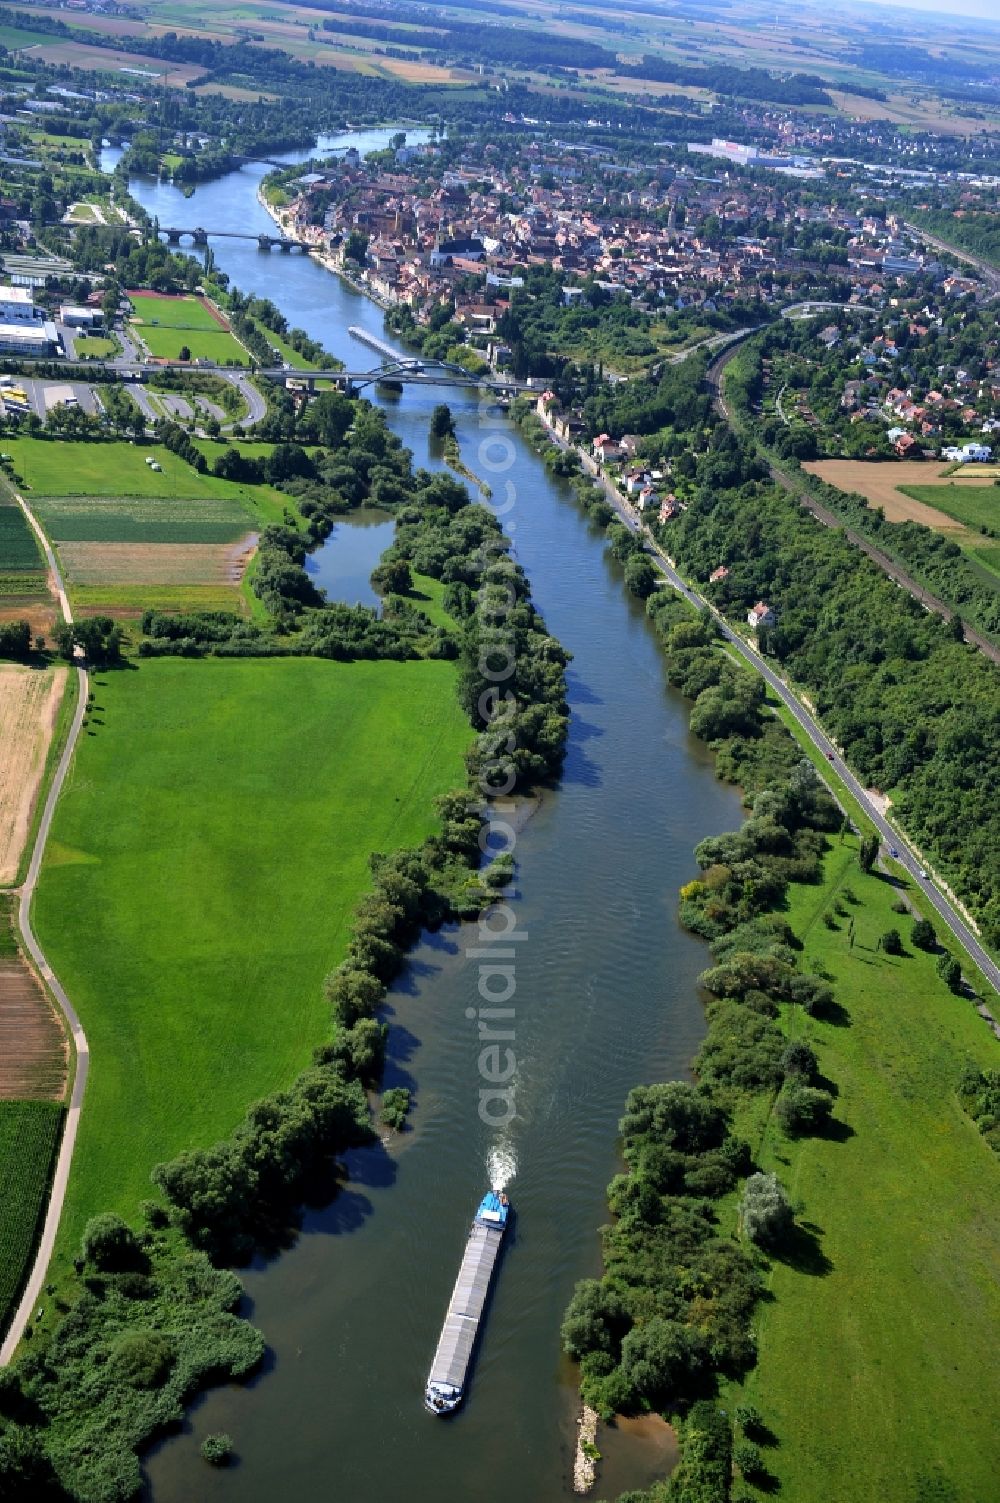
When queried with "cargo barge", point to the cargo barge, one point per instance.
{"points": [[446, 1380]]}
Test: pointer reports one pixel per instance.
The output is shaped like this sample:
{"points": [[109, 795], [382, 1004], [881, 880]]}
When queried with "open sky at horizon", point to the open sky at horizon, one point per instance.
{"points": [[980, 10]]}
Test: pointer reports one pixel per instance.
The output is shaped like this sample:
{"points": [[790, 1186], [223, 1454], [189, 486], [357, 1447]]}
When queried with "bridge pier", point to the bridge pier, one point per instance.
{"points": [[173, 237], [264, 242], [199, 236]]}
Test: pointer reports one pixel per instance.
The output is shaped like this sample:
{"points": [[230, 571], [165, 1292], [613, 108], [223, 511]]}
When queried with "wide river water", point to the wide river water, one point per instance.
{"points": [[606, 998]]}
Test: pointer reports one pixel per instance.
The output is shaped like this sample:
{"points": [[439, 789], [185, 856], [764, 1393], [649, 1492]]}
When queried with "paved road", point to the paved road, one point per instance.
{"points": [[893, 841], [830, 519], [60, 1178]]}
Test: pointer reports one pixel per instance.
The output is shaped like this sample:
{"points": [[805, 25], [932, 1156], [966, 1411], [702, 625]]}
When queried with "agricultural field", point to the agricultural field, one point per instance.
{"points": [[29, 1137], [876, 1370], [144, 519], [29, 708], [128, 601], [193, 934], [33, 1051], [118, 469], [138, 538], [914, 492], [964, 501], [19, 553], [91, 58], [111, 564]]}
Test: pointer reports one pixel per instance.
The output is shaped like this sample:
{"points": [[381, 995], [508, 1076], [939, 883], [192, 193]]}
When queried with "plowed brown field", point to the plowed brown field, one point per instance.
{"points": [[879, 484], [32, 1044], [156, 563]]}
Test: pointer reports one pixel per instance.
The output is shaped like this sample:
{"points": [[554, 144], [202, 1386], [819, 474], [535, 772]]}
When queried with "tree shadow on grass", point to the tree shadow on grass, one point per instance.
{"points": [[762, 1435], [833, 1013], [833, 1131], [765, 1481], [800, 1250]]}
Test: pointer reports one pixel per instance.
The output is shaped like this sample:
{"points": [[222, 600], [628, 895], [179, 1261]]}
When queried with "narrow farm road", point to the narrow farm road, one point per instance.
{"points": [[60, 1178]]}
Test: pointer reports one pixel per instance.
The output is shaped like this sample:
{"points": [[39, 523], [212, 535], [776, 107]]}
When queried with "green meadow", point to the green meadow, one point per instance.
{"points": [[167, 324], [202, 344], [50, 468], [204, 864], [974, 505], [877, 1371], [148, 519]]}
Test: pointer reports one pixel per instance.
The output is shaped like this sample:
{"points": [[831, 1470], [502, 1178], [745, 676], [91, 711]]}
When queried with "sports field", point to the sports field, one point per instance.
{"points": [[194, 933], [202, 344], [168, 324], [876, 1368]]}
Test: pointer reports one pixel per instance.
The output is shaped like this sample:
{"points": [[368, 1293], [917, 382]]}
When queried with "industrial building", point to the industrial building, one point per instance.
{"points": [[40, 338], [17, 306]]}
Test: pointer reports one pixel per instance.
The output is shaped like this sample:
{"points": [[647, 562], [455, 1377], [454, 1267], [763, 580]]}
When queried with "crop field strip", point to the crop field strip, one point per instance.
{"points": [[127, 602], [29, 1137], [29, 707], [156, 563], [18, 547], [33, 1053], [143, 519]]}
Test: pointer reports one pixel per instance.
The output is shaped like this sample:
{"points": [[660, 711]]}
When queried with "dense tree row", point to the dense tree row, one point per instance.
{"points": [[738, 83], [672, 1310], [912, 707]]}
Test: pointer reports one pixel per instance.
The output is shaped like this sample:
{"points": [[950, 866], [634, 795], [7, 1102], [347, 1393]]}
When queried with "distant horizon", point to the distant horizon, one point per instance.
{"points": [[974, 10]]}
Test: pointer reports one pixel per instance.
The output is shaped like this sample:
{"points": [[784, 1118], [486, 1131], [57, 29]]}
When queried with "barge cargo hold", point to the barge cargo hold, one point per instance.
{"points": [[446, 1381]]}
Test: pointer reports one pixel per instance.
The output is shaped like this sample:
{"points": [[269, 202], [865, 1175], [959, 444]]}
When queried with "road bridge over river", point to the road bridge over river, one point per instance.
{"points": [[200, 236]]}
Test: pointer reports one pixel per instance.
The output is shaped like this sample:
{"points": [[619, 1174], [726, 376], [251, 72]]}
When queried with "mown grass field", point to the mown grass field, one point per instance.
{"points": [[118, 469], [877, 1369], [202, 344], [127, 601], [149, 519], [974, 505], [167, 324], [193, 932], [29, 1136], [188, 312], [97, 346]]}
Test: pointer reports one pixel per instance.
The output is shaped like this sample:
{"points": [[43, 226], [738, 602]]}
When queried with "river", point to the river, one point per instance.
{"points": [[606, 998]]}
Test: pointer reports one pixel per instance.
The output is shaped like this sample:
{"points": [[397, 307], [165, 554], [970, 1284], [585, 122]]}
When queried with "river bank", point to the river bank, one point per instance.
{"points": [[605, 996]]}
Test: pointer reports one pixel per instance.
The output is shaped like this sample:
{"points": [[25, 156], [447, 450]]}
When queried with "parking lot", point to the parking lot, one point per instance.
{"points": [[43, 396]]}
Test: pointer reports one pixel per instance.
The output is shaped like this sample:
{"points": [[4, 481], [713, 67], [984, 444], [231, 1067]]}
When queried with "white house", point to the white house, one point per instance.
{"points": [[968, 454], [761, 615]]}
